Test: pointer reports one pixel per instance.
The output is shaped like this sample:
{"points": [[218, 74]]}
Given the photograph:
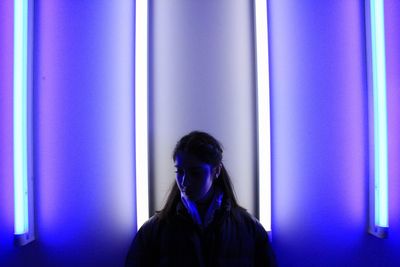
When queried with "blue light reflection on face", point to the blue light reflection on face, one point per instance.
{"points": [[193, 177]]}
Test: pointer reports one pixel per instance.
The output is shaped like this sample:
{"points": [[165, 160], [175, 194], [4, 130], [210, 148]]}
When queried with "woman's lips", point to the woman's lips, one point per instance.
{"points": [[186, 192]]}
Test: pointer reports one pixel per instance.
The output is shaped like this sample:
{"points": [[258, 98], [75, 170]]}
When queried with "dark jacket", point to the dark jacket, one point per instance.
{"points": [[233, 238]]}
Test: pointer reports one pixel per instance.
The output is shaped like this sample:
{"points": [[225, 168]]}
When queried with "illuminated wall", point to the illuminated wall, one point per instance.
{"points": [[320, 134], [84, 150], [203, 79], [84, 130], [6, 131]]}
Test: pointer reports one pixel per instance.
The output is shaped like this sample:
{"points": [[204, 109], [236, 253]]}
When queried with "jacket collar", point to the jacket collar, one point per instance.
{"points": [[189, 207]]}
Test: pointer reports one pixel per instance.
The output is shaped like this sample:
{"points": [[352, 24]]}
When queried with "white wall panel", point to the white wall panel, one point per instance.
{"points": [[202, 78]]}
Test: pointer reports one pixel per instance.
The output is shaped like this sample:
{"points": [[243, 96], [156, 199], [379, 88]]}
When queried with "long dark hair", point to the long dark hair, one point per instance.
{"points": [[209, 150]]}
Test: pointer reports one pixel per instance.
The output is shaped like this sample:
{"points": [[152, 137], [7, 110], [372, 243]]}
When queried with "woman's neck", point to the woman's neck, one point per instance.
{"points": [[206, 199], [204, 203]]}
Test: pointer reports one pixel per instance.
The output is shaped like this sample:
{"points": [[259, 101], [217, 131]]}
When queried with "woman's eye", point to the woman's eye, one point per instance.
{"points": [[196, 173], [179, 172]]}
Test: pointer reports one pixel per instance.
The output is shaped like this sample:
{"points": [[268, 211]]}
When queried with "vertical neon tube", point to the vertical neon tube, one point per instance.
{"points": [[23, 214], [263, 114], [141, 111], [380, 140], [20, 116]]}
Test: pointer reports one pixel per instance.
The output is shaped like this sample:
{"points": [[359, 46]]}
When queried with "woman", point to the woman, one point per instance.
{"points": [[201, 223]]}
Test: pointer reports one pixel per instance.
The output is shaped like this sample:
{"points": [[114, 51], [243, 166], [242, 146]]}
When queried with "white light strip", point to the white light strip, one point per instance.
{"points": [[379, 219], [141, 111], [263, 104], [20, 117], [23, 200]]}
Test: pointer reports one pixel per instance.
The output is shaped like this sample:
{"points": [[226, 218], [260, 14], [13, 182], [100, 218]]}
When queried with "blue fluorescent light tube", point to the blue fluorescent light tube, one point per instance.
{"points": [[20, 116], [263, 114], [23, 199], [377, 61], [141, 112], [380, 111]]}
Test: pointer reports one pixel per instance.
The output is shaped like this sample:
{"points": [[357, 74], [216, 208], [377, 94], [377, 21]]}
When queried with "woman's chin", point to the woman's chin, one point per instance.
{"points": [[190, 196]]}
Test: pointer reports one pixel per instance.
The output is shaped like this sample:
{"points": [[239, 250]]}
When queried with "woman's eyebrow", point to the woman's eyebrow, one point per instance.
{"points": [[190, 167]]}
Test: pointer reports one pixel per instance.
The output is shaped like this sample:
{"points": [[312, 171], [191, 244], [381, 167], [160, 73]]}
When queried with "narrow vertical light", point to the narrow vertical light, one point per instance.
{"points": [[23, 207], [141, 111], [263, 114], [379, 221]]}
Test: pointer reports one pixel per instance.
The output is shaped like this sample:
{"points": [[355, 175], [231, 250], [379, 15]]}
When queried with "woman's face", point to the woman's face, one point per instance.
{"points": [[194, 177]]}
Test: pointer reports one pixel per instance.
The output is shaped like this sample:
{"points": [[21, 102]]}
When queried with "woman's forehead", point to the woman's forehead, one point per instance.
{"points": [[183, 159]]}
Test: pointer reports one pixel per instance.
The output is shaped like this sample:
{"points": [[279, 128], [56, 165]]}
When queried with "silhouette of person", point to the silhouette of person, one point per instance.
{"points": [[201, 223]]}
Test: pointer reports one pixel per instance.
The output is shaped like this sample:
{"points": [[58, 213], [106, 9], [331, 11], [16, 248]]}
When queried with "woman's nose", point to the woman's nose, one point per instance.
{"points": [[184, 180]]}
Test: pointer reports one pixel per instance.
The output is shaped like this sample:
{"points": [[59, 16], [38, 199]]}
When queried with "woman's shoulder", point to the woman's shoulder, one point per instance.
{"points": [[242, 214], [252, 227], [156, 223], [153, 220], [149, 226], [248, 220]]}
